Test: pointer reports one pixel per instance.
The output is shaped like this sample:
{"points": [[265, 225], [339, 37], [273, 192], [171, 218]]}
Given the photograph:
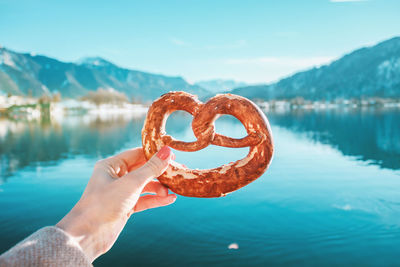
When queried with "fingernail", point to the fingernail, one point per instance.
{"points": [[164, 153], [173, 156], [172, 197]]}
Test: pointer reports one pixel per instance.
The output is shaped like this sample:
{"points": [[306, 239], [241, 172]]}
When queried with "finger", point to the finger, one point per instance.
{"points": [[137, 164], [132, 156], [119, 167], [151, 201], [157, 188], [142, 160], [151, 169], [112, 166]]}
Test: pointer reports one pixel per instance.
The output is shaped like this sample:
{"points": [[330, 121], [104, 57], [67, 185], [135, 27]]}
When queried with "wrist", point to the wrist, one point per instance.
{"points": [[77, 226]]}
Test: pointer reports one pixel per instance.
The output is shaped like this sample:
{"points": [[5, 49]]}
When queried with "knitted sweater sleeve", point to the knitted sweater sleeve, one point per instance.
{"points": [[49, 246]]}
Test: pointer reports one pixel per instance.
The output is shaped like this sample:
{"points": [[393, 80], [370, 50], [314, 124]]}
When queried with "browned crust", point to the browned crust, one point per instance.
{"points": [[219, 181]]}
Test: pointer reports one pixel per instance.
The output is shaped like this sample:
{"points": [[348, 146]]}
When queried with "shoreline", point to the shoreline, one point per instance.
{"points": [[296, 104], [30, 108]]}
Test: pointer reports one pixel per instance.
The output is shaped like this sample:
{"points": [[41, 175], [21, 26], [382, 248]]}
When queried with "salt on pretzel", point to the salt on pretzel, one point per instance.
{"points": [[218, 181]]}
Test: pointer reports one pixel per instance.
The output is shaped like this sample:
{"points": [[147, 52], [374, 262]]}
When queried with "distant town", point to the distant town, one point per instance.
{"points": [[112, 102], [97, 102]]}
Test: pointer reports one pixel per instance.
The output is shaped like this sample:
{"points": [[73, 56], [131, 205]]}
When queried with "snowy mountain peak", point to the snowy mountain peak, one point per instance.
{"points": [[95, 61], [367, 72], [6, 58], [23, 74]]}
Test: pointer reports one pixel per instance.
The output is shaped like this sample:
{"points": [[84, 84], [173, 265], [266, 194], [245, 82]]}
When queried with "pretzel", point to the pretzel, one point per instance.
{"points": [[222, 180]]}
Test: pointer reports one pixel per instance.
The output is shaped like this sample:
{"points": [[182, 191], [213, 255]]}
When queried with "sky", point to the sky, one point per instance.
{"points": [[255, 41]]}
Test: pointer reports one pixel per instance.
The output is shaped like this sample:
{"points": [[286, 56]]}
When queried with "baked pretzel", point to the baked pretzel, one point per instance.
{"points": [[219, 181]]}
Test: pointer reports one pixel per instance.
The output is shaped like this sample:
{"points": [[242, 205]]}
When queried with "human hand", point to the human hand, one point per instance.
{"points": [[113, 194]]}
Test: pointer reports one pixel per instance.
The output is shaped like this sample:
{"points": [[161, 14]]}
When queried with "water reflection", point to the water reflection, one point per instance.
{"points": [[369, 135], [25, 143]]}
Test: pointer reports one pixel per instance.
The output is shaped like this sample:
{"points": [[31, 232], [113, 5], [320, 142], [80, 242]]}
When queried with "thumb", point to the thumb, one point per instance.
{"points": [[153, 168]]}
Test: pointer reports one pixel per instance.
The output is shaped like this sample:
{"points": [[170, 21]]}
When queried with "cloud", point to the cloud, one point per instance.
{"points": [[282, 61], [346, 1], [233, 45], [178, 42]]}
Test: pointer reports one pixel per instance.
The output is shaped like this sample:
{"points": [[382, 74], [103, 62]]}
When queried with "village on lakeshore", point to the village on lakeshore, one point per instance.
{"points": [[100, 102], [115, 103]]}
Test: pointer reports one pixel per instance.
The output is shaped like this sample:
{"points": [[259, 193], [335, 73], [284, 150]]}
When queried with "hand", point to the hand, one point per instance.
{"points": [[113, 194]]}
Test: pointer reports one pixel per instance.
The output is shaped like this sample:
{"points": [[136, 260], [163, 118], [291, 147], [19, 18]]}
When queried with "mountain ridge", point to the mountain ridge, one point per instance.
{"points": [[366, 72], [27, 74]]}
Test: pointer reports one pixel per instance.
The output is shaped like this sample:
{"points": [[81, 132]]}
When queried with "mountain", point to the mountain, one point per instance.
{"points": [[36, 75], [366, 72], [219, 85]]}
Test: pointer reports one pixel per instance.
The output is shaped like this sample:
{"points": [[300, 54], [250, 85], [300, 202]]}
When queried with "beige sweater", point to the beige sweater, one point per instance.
{"points": [[49, 246]]}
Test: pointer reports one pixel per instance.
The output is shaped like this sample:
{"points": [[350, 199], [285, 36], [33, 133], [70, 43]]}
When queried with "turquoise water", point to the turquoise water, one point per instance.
{"points": [[330, 197]]}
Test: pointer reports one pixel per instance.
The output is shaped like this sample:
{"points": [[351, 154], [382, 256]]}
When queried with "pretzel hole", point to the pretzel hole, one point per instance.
{"points": [[179, 126], [230, 126], [220, 156]]}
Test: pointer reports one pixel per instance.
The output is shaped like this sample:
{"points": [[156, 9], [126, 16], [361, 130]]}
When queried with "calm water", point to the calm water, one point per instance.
{"points": [[330, 197]]}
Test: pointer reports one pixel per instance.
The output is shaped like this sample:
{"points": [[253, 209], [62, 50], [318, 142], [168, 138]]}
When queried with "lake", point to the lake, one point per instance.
{"points": [[330, 197]]}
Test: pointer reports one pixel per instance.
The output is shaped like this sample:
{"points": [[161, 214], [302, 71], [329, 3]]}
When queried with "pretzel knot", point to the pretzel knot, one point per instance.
{"points": [[221, 180]]}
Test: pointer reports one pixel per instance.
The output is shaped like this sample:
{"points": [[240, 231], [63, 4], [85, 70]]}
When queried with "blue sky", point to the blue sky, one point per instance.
{"points": [[254, 41]]}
